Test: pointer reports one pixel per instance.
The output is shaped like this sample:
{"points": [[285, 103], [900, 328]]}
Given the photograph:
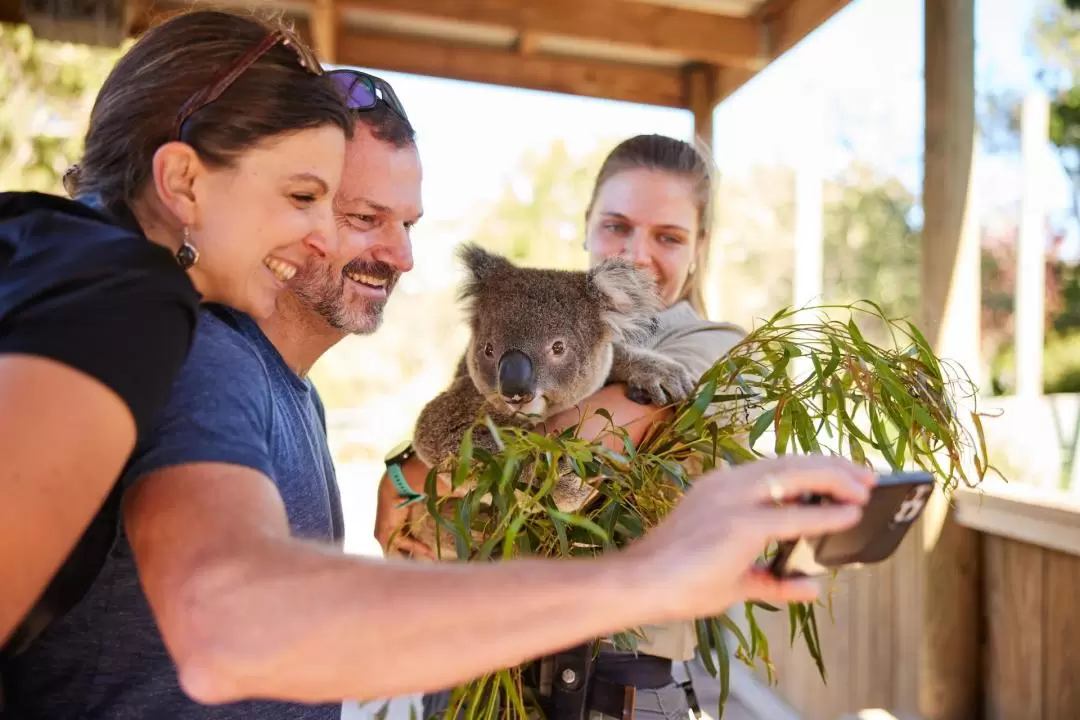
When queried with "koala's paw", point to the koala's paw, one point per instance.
{"points": [[658, 380]]}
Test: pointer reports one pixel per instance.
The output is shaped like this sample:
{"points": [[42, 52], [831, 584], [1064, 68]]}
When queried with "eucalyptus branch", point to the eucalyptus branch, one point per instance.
{"points": [[896, 407]]}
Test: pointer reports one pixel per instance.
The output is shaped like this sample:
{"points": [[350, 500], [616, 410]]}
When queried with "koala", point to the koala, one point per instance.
{"points": [[540, 342]]}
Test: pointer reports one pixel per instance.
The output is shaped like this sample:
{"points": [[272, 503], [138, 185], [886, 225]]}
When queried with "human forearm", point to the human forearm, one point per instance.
{"points": [[246, 611], [632, 417], [372, 628]]}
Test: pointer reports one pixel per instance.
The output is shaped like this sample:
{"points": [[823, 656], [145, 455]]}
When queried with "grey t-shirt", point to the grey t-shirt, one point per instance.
{"points": [[235, 401], [697, 343]]}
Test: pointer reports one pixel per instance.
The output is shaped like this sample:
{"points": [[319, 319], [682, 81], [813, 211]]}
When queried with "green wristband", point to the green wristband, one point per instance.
{"points": [[394, 458], [398, 479]]}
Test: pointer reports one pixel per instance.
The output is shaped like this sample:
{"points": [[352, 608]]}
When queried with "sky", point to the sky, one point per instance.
{"points": [[856, 82]]}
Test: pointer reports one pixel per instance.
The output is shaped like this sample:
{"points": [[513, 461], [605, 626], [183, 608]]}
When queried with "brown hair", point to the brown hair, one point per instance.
{"points": [[138, 103], [387, 126], [666, 154]]}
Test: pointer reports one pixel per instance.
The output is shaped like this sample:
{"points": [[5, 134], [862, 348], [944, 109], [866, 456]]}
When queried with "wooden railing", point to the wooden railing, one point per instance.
{"points": [[1029, 602]]}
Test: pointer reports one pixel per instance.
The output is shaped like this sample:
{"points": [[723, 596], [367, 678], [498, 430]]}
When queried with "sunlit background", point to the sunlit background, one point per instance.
{"points": [[512, 169]]}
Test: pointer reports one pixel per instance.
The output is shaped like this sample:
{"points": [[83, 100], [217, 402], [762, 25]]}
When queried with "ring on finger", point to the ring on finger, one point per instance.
{"points": [[776, 489]]}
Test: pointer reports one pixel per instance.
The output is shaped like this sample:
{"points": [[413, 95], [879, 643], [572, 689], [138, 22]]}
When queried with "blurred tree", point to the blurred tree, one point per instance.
{"points": [[871, 246], [539, 219], [48, 90]]}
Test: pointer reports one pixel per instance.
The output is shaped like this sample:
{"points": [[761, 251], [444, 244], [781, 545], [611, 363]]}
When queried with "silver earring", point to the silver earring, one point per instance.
{"points": [[188, 254], [693, 267]]}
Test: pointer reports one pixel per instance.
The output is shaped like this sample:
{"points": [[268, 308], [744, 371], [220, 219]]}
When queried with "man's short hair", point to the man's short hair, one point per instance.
{"points": [[387, 126]]}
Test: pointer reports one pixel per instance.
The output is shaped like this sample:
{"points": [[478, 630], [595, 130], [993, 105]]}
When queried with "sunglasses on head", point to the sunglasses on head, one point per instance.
{"points": [[364, 91], [361, 90]]}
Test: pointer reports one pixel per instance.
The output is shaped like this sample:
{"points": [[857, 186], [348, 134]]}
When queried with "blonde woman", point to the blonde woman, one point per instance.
{"points": [[652, 204]]}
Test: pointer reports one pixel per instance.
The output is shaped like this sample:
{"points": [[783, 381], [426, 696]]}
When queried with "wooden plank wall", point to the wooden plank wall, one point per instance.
{"points": [[1031, 653], [870, 647], [1032, 663]]}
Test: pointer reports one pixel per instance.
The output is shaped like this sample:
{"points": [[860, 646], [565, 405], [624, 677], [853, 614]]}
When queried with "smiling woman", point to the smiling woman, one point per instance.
{"points": [[196, 185]]}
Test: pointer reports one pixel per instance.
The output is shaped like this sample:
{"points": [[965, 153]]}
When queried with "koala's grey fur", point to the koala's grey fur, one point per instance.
{"points": [[601, 317]]}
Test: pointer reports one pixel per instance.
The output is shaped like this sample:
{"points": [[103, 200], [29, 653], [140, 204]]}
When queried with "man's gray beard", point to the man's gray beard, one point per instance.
{"points": [[325, 295]]}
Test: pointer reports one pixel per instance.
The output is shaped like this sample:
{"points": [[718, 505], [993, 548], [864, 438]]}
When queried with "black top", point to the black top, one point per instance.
{"points": [[81, 289], [101, 298]]}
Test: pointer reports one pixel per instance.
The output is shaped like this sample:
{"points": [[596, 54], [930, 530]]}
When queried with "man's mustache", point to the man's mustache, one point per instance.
{"points": [[375, 269]]}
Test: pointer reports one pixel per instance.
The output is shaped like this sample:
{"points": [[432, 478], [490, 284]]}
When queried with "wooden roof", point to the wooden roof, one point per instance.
{"points": [[673, 53]]}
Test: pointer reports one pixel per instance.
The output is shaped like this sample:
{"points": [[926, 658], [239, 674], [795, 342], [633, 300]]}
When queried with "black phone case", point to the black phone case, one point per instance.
{"points": [[895, 503]]}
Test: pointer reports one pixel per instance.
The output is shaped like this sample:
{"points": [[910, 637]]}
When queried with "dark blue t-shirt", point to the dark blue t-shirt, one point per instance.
{"points": [[235, 401]]}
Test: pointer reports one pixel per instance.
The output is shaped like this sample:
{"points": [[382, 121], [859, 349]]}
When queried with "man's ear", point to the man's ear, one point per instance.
{"points": [[481, 267], [628, 299], [175, 168]]}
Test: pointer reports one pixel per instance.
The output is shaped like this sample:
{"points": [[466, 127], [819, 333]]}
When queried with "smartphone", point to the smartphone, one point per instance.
{"points": [[895, 503]]}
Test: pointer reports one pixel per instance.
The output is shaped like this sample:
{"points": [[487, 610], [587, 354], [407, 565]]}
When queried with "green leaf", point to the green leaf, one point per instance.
{"points": [[704, 642], [512, 536], [513, 694], [581, 522], [725, 666], [693, 413], [560, 529], [464, 459], [730, 624], [761, 425], [495, 434]]}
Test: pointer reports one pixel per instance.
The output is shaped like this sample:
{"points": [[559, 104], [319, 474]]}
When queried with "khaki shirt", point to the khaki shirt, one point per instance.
{"points": [[697, 343]]}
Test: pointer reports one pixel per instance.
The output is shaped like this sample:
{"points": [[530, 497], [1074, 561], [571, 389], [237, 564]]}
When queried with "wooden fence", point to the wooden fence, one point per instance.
{"points": [[1029, 604]]}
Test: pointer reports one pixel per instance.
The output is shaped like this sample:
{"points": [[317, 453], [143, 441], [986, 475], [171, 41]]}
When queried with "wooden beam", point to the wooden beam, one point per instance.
{"points": [[507, 67], [784, 23], [695, 35], [789, 22], [11, 12]]}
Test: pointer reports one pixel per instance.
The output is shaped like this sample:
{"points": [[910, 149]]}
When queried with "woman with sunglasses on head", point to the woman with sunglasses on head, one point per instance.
{"points": [[212, 155]]}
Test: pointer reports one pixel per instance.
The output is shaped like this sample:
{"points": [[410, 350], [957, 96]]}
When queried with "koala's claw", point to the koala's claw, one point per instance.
{"points": [[660, 384]]}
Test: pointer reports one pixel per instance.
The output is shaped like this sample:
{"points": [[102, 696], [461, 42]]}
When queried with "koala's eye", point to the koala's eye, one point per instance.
{"points": [[489, 350], [558, 347]]}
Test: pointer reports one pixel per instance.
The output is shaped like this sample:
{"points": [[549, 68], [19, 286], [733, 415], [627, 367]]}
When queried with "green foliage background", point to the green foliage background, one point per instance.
{"points": [[48, 90]]}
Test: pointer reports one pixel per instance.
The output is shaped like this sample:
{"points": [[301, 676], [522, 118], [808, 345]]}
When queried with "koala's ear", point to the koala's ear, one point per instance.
{"points": [[628, 298], [481, 266]]}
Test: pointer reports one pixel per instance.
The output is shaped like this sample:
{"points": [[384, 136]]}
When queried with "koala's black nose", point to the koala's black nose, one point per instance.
{"points": [[516, 379]]}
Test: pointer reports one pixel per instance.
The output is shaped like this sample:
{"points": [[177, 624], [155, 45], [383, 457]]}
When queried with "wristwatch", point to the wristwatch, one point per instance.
{"points": [[394, 460]]}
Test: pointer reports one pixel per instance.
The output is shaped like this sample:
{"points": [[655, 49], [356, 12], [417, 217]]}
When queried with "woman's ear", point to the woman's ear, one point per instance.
{"points": [[175, 167]]}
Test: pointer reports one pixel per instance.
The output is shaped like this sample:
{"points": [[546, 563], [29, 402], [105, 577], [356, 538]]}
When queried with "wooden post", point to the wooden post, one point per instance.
{"points": [[701, 87], [809, 277], [950, 677], [700, 84], [1031, 249]]}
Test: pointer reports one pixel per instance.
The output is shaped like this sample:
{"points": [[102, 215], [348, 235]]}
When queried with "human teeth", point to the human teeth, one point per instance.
{"points": [[367, 279], [282, 270]]}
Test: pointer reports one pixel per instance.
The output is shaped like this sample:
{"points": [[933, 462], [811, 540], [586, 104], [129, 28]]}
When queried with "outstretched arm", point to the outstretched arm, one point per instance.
{"points": [[246, 611]]}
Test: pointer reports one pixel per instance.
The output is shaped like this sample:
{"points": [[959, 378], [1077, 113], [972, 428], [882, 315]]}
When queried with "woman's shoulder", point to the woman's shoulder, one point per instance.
{"points": [[681, 318], [49, 242]]}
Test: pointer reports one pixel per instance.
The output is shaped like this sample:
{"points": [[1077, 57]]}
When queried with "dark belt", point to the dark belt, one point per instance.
{"points": [[607, 684], [615, 684], [645, 672]]}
